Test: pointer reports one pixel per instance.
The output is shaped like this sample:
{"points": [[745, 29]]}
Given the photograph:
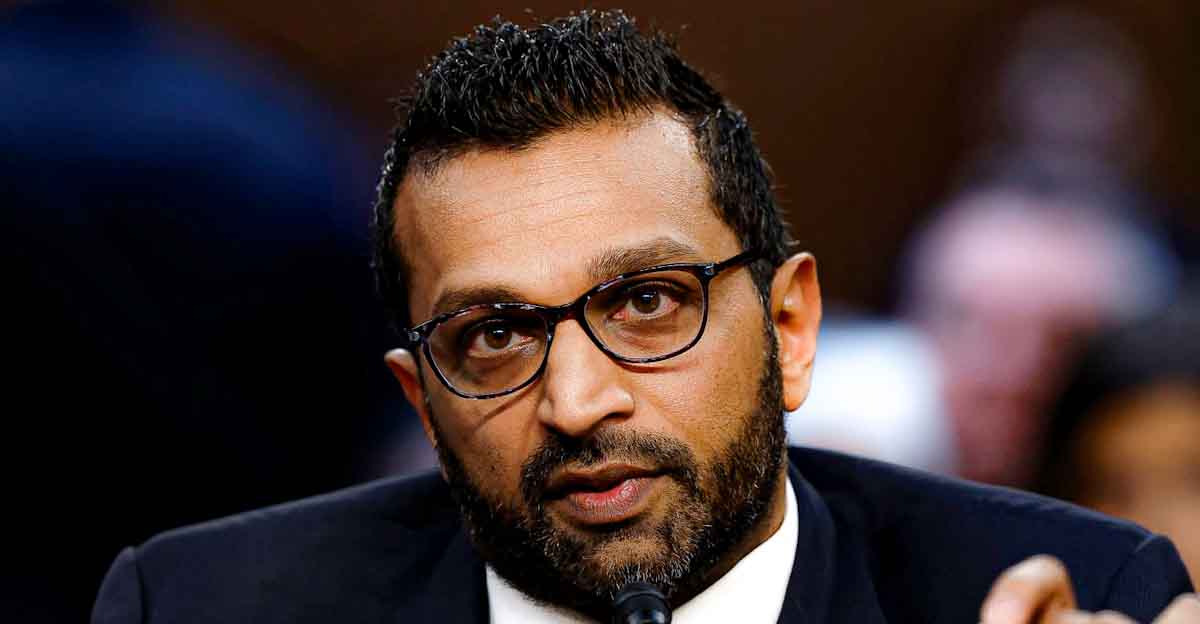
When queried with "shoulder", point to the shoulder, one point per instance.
{"points": [[941, 536], [879, 495], [301, 561], [414, 503]]}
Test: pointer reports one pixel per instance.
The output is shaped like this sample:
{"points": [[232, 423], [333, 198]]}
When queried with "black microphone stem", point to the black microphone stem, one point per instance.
{"points": [[641, 603]]}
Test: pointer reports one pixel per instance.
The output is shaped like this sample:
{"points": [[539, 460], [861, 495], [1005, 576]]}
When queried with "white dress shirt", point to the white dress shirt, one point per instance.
{"points": [[752, 592]]}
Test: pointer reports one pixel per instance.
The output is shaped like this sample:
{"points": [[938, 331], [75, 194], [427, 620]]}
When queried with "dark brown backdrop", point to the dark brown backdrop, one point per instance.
{"points": [[862, 108]]}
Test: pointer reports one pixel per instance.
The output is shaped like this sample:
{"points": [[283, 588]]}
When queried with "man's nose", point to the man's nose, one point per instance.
{"points": [[583, 387]]}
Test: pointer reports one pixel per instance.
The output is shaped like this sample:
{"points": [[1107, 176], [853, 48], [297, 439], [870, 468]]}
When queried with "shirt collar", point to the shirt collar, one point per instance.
{"points": [[752, 591]]}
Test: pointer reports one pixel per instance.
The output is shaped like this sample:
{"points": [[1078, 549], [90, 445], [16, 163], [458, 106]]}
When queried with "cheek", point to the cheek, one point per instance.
{"points": [[705, 395], [491, 440]]}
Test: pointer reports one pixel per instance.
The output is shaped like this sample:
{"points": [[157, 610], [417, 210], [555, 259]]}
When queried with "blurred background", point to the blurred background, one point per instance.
{"points": [[1002, 196]]}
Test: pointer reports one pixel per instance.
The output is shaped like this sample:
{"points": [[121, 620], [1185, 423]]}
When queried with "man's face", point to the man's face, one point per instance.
{"points": [[599, 472]]}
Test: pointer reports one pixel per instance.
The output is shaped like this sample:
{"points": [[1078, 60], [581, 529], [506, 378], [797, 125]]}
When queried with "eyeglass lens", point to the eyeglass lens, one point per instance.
{"points": [[487, 350]]}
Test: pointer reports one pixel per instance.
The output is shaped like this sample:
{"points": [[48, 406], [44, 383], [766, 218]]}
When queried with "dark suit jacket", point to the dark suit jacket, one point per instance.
{"points": [[877, 543]]}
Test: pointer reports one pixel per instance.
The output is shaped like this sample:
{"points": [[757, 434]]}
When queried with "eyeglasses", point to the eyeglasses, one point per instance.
{"points": [[493, 349]]}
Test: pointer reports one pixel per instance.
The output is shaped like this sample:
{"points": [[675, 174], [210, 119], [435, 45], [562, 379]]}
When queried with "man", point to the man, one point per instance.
{"points": [[603, 329]]}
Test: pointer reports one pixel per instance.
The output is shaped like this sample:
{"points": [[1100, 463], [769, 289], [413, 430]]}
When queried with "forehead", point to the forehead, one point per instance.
{"points": [[532, 219]]}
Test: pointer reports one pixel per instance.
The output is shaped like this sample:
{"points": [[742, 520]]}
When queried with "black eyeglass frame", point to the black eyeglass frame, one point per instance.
{"points": [[704, 272]]}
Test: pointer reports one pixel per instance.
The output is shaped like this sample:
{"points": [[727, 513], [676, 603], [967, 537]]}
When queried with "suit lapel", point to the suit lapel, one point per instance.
{"points": [[830, 581], [808, 590], [457, 590]]}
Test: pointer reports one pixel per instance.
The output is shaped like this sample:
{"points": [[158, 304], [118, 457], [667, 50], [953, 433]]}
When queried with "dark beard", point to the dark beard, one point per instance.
{"points": [[552, 565]]}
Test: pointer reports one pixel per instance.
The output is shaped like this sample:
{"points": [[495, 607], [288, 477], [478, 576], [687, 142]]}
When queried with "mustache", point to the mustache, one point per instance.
{"points": [[660, 452]]}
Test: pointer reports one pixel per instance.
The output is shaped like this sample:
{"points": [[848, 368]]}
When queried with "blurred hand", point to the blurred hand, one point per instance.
{"points": [[1038, 591]]}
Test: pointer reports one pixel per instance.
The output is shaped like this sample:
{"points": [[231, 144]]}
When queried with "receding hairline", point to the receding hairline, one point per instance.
{"points": [[420, 172], [427, 163]]}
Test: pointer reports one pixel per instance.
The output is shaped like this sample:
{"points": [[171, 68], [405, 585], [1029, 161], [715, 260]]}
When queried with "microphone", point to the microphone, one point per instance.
{"points": [[640, 603]]}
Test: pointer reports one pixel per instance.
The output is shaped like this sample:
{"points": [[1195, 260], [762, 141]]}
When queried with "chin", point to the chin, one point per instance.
{"points": [[615, 556]]}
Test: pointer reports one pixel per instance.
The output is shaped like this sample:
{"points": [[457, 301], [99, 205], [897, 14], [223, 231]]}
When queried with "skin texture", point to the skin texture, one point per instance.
{"points": [[534, 221]]}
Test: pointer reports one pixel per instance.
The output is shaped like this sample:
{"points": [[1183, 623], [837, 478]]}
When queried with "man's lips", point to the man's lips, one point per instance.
{"points": [[603, 495]]}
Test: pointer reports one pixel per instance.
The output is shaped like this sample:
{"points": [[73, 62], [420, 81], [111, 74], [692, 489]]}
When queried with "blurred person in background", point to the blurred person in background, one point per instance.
{"points": [[1125, 436], [1004, 283], [1073, 104], [1070, 102], [1049, 242], [189, 320]]}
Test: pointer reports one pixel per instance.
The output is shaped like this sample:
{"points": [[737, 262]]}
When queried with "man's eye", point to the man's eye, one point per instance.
{"points": [[497, 337], [493, 337], [648, 301]]}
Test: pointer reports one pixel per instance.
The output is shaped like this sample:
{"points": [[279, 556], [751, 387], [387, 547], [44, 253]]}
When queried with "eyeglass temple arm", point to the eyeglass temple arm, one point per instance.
{"points": [[744, 257]]}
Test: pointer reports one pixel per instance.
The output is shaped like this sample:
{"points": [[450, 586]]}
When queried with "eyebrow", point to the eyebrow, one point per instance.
{"points": [[617, 260], [460, 298], [608, 264]]}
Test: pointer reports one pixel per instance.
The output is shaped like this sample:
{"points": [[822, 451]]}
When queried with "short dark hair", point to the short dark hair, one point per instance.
{"points": [[504, 86]]}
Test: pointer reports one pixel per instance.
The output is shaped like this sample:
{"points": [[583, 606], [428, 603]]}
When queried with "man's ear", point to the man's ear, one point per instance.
{"points": [[403, 365], [796, 313]]}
